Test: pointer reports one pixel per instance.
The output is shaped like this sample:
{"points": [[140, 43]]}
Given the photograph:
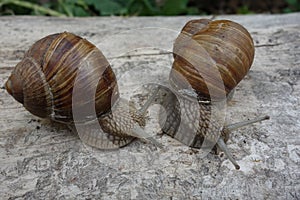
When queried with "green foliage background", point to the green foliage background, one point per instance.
{"points": [[118, 7]]}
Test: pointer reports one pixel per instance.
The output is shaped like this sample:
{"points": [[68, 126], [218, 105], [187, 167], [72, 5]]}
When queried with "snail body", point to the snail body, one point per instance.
{"points": [[44, 83], [210, 59]]}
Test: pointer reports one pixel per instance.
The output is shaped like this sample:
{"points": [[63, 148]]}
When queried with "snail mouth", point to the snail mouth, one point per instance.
{"points": [[14, 88]]}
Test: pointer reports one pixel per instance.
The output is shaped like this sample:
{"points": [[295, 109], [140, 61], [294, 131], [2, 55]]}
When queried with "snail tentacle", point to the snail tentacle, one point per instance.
{"points": [[232, 127], [223, 147]]}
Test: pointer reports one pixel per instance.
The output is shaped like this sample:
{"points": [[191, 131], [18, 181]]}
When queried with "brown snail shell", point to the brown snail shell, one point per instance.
{"points": [[228, 47], [44, 82]]}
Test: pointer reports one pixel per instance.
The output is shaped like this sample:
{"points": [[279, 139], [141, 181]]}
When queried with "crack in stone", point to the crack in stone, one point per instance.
{"points": [[268, 45]]}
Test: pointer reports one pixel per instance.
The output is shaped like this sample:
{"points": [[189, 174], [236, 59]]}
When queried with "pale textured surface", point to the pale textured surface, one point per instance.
{"points": [[40, 160]]}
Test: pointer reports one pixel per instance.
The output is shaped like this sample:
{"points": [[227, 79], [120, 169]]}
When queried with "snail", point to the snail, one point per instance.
{"points": [[59, 64], [210, 59], [45, 83]]}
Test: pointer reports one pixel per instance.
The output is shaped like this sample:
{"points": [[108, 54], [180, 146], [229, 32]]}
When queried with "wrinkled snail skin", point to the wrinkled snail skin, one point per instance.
{"points": [[170, 114], [179, 119], [120, 119], [44, 81]]}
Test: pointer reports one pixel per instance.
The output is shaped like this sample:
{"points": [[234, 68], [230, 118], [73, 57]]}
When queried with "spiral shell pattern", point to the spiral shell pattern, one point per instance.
{"points": [[224, 45]]}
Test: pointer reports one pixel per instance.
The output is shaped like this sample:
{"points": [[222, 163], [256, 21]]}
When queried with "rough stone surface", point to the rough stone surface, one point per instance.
{"points": [[43, 160]]}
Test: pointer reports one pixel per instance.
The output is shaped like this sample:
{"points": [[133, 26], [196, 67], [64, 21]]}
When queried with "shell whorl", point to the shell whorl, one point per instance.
{"points": [[205, 45], [43, 80]]}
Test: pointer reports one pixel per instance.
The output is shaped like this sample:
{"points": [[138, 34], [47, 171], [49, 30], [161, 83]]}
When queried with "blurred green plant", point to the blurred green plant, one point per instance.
{"points": [[23, 7], [118, 7], [293, 6], [244, 10], [98, 7]]}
